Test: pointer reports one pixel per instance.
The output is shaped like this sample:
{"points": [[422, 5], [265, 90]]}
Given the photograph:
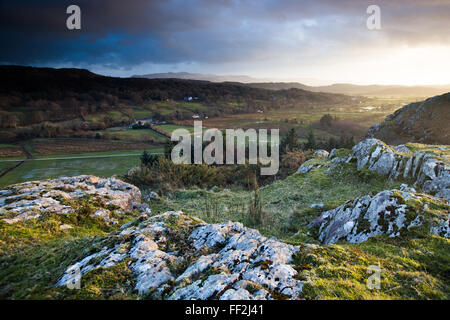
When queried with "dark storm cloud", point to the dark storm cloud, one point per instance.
{"points": [[132, 32]]}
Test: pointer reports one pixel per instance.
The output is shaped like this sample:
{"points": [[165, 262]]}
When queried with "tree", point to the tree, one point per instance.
{"points": [[8, 120], [311, 143], [290, 142], [72, 105], [326, 120], [332, 143], [147, 159], [108, 121], [168, 148], [157, 115], [347, 142]]}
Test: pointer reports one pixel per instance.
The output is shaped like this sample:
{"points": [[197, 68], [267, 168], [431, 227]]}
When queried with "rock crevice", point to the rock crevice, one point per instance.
{"points": [[30, 200], [174, 256]]}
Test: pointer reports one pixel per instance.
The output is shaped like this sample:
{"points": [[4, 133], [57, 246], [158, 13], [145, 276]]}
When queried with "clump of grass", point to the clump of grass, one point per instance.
{"points": [[256, 215], [342, 153], [410, 269], [114, 283], [211, 208], [29, 273]]}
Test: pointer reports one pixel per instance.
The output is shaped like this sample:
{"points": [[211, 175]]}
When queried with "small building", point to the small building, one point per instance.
{"points": [[145, 122]]}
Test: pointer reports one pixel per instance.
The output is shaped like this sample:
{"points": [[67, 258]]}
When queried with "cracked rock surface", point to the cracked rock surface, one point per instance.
{"points": [[388, 213], [30, 200], [174, 256], [428, 172]]}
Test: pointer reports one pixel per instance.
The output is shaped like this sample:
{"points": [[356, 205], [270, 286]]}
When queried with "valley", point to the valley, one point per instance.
{"points": [[211, 159], [90, 130], [94, 189]]}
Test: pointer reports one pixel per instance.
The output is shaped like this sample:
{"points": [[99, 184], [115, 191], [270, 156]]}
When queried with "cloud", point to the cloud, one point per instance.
{"points": [[124, 34]]}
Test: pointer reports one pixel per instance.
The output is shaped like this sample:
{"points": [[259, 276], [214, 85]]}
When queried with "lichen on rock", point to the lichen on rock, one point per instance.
{"points": [[321, 154], [386, 213], [175, 256], [426, 171], [30, 200]]}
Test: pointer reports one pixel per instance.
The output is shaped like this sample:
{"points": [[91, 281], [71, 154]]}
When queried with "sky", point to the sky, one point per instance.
{"points": [[322, 41]]}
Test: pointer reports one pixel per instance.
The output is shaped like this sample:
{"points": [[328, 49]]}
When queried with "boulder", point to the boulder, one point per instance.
{"points": [[426, 170], [30, 200], [65, 227], [402, 148], [388, 213], [368, 151], [305, 168], [405, 187], [152, 195], [175, 256], [321, 154]]}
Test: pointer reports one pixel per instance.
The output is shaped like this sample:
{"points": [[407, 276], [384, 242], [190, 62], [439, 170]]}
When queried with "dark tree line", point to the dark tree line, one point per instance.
{"points": [[44, 94], [291, 142]]}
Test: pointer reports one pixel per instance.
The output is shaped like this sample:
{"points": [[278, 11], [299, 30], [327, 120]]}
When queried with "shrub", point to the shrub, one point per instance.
{"points": [[311, 143], [161, 173], [292, 160], [148, 160], [290, 142]]}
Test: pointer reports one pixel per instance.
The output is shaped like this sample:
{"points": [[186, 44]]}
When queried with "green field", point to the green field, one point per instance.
{"points": [[22, 157], [2, 145], [98, 154], [169, 128], [126, 134], [108, 164], [142, 114], [115, 115], [6, 165]]}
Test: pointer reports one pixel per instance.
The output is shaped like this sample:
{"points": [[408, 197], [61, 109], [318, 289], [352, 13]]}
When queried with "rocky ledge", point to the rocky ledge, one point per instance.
{"points": [[30, 200], [425, 170], [391, 212], [174, 256]]}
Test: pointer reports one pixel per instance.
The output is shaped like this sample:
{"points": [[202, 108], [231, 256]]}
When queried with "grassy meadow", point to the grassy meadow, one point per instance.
{"points": [[102, 164]]}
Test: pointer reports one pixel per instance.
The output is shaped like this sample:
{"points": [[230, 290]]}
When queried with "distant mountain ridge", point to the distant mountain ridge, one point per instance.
{"points": [[243, 79], [342, 88], [359, 90], [198, 76]]}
